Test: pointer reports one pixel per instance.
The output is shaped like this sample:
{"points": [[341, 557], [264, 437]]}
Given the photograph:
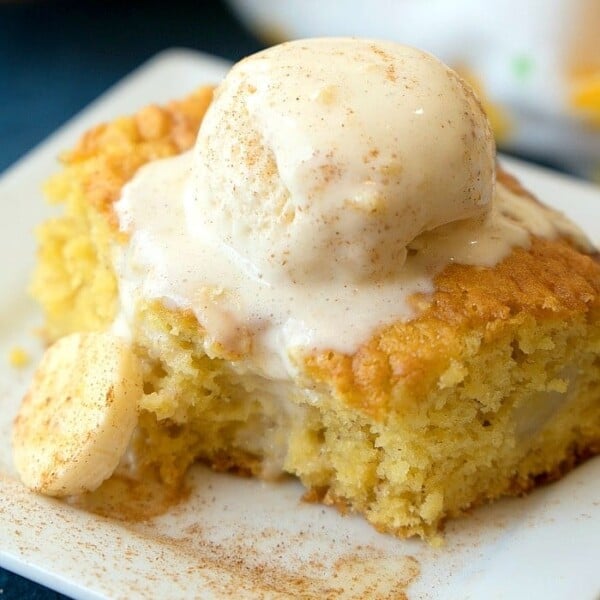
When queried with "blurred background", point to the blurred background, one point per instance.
{"points": [[56, 56], [535, 64]]}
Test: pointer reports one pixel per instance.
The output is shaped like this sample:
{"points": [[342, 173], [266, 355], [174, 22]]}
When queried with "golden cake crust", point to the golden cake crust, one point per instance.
{"points": [[74, 280], [109, 154]]}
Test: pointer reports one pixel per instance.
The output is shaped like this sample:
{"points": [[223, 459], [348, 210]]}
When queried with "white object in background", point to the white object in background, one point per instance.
{"points": [[536, 62]]}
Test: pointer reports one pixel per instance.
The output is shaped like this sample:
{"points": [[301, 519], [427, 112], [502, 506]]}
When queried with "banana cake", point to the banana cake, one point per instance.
{"points": [[319, 270]]}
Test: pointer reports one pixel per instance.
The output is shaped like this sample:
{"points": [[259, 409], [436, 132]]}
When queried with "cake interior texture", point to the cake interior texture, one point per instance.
{"points": [[491, 389]]}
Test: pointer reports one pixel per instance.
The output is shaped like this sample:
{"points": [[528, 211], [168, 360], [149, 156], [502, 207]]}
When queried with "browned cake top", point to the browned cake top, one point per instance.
{"points": [[550, 281], [108, 155]]}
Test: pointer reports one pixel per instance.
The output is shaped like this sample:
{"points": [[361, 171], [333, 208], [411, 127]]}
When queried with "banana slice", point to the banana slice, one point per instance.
{"points": [[76, 421]]}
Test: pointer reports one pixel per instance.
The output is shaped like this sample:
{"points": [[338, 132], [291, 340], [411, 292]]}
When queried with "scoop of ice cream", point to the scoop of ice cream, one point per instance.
{"points": [[323, 159]]}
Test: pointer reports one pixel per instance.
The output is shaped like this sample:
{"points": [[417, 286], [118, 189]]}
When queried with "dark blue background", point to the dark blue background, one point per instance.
{"points": [[56, 56]]}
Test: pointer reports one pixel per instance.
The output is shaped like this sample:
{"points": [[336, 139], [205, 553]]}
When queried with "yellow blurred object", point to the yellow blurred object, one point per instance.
{"points": [[18, 357], [585, 97]]}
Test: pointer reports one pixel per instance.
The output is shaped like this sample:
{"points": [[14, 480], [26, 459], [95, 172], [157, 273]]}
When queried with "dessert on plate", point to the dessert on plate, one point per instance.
{"points": [[318, 270]]}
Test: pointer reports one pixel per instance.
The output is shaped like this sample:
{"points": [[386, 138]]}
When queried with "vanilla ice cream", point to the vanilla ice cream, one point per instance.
{"points": [[339, 148], [331, 180]]}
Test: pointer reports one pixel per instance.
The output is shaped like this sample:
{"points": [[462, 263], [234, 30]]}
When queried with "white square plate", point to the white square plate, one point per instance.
{"points": [[243, 538]]}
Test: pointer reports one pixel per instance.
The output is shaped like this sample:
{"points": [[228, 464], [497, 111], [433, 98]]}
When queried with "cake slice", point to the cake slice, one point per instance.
{"points": [[476, 376]]}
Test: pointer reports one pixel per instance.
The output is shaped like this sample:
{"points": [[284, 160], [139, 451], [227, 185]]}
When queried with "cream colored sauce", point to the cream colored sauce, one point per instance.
{"points": [[272, 257], [164, 260]]}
